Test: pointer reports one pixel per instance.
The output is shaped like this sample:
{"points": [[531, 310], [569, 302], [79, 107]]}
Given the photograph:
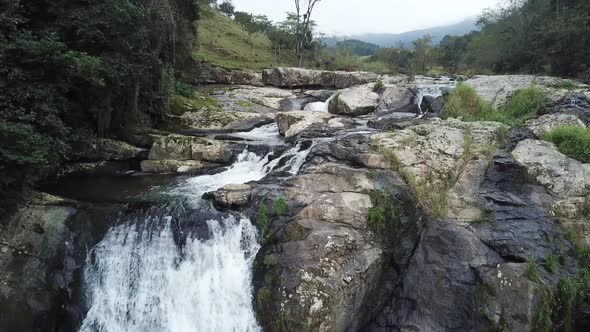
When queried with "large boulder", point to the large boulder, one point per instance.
{"points": [[36, 264], [232, 195], [395, 97], [561, 175], [308, 124], [446, 161], [299, 77], [359, 100], [496, 89], [548, 122], [324, 273], [218, 75], [103, 149], [440, 291], [172, 166], [178, 147]]}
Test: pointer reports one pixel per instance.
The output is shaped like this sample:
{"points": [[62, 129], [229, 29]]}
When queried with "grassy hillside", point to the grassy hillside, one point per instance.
{"points": [[223, 43]]}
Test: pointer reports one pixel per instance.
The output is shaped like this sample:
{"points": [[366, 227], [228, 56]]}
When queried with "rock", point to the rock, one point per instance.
{"points": [[432, 105], [217, 75], [515, 222], [560, 174], [577, 104], [299, 77], [232, 195], [496, 89], [574, 215], [177, 147], [548, 122], [98, 168], [172, 166], [104, 150], [440, 288], [394, 97], [329, 270], [510, 301], [266, 96], [36, 264], [305, 124], [355, 101], [373, 161], [394, 121], [448, 158]]}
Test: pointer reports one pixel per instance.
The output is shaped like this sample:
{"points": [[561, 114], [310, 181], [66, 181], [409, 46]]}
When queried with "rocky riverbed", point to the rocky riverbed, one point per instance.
{"points": [[372, 214]]}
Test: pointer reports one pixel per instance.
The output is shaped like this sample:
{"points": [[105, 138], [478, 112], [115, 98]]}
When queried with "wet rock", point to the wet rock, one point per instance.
{"points": [[433, 106], [98, 168], [561, 175], [548, 122], [299, 77], [232, 195], [177, 147], [577, 104], [355, 101], [36, 266], [395, 97], [172, 166], [104, 150], [496, 89], [515, 222], [510, 301], [440, 287]]}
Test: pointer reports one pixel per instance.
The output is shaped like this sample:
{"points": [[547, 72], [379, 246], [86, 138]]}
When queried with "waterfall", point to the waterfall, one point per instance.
{"points": [[319, 106], [140, 277]]}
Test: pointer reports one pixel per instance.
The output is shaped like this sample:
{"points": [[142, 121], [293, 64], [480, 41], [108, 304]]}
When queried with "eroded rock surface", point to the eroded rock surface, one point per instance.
{"points": [[355, 101], [299, 77]]}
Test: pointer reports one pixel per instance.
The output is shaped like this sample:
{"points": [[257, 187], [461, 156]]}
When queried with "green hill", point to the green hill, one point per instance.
{"points": [[223, 43]]}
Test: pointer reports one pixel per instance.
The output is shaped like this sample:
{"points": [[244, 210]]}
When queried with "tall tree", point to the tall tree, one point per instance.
{"points": [[422, 53], [303, 26]]}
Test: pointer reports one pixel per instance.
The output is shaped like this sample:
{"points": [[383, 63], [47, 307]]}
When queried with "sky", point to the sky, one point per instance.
{"points": [[345, 17]]}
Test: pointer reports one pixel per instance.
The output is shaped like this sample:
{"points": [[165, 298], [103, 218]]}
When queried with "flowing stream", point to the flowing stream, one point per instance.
{"points": [[152, 273]]}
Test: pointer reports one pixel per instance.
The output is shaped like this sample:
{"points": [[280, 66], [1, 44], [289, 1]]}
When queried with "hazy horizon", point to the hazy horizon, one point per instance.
{"points": [[334, 17]]}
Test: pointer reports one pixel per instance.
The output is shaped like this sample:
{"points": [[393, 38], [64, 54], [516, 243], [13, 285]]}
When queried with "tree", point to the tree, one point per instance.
{"points": [[303, 27], [422, 53], [227, 8], [452, 51]]}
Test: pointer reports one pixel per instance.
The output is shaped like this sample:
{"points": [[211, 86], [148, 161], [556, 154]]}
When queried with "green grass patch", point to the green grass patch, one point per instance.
{"points": [[566, 84], [572, 141], [224, 43], [378, 86], [532, 271], [280, 207], [383, 212], [543, 318], [551, 263], [465, 103]]}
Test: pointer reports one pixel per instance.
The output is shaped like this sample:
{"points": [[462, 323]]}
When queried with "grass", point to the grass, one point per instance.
{"points": [[551, 263], [542, 321], [383, 213], [572, 141], [280, 207], [223, 43], [566, 84], [180, 104], [523, 105], [532, 270], [378, 86]]}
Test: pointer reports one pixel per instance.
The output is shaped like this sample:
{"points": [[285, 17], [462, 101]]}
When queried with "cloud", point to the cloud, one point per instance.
{"points": [[380, 16]]}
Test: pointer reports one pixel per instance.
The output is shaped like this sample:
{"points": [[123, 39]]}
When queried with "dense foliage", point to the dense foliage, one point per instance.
{"points": [[81, 68]]}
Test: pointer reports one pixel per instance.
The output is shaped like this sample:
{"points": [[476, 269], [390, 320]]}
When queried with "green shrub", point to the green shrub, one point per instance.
{"points": [[569, 292], [551, 263], [542, 321], [383, 212], [566, 84], [525, 104], [378, 86], [280, 207], [184, 89], [465, 103], [532, 270], [572, 141]]}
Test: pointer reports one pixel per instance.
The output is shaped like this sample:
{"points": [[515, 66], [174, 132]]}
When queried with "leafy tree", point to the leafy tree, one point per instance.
{"points": [[423, 53], [227, 8], [452, 51]]}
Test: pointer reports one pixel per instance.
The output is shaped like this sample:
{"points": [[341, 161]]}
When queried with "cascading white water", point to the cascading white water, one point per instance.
{"points": [[319, 106], [139, 279]]}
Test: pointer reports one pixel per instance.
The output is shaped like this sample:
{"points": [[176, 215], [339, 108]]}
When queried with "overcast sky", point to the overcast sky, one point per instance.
{"points": [[339, 17]]}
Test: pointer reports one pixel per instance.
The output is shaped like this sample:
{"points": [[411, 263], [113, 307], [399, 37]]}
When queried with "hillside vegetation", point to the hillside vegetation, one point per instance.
{"points": [[224, 43]]}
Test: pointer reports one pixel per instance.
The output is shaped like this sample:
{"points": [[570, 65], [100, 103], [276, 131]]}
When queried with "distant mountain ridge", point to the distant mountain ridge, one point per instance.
{"points": [[389, 39]]}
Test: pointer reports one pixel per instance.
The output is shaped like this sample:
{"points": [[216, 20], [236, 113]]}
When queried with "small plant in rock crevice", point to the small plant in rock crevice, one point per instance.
{"points": [[383, 213], [263, 222], [551, 263], [572, 141], [532, 270], [280, 207], [378, 87]]}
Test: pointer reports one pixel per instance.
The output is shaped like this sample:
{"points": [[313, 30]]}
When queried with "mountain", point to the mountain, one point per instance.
{"points": [[388, 39]]}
